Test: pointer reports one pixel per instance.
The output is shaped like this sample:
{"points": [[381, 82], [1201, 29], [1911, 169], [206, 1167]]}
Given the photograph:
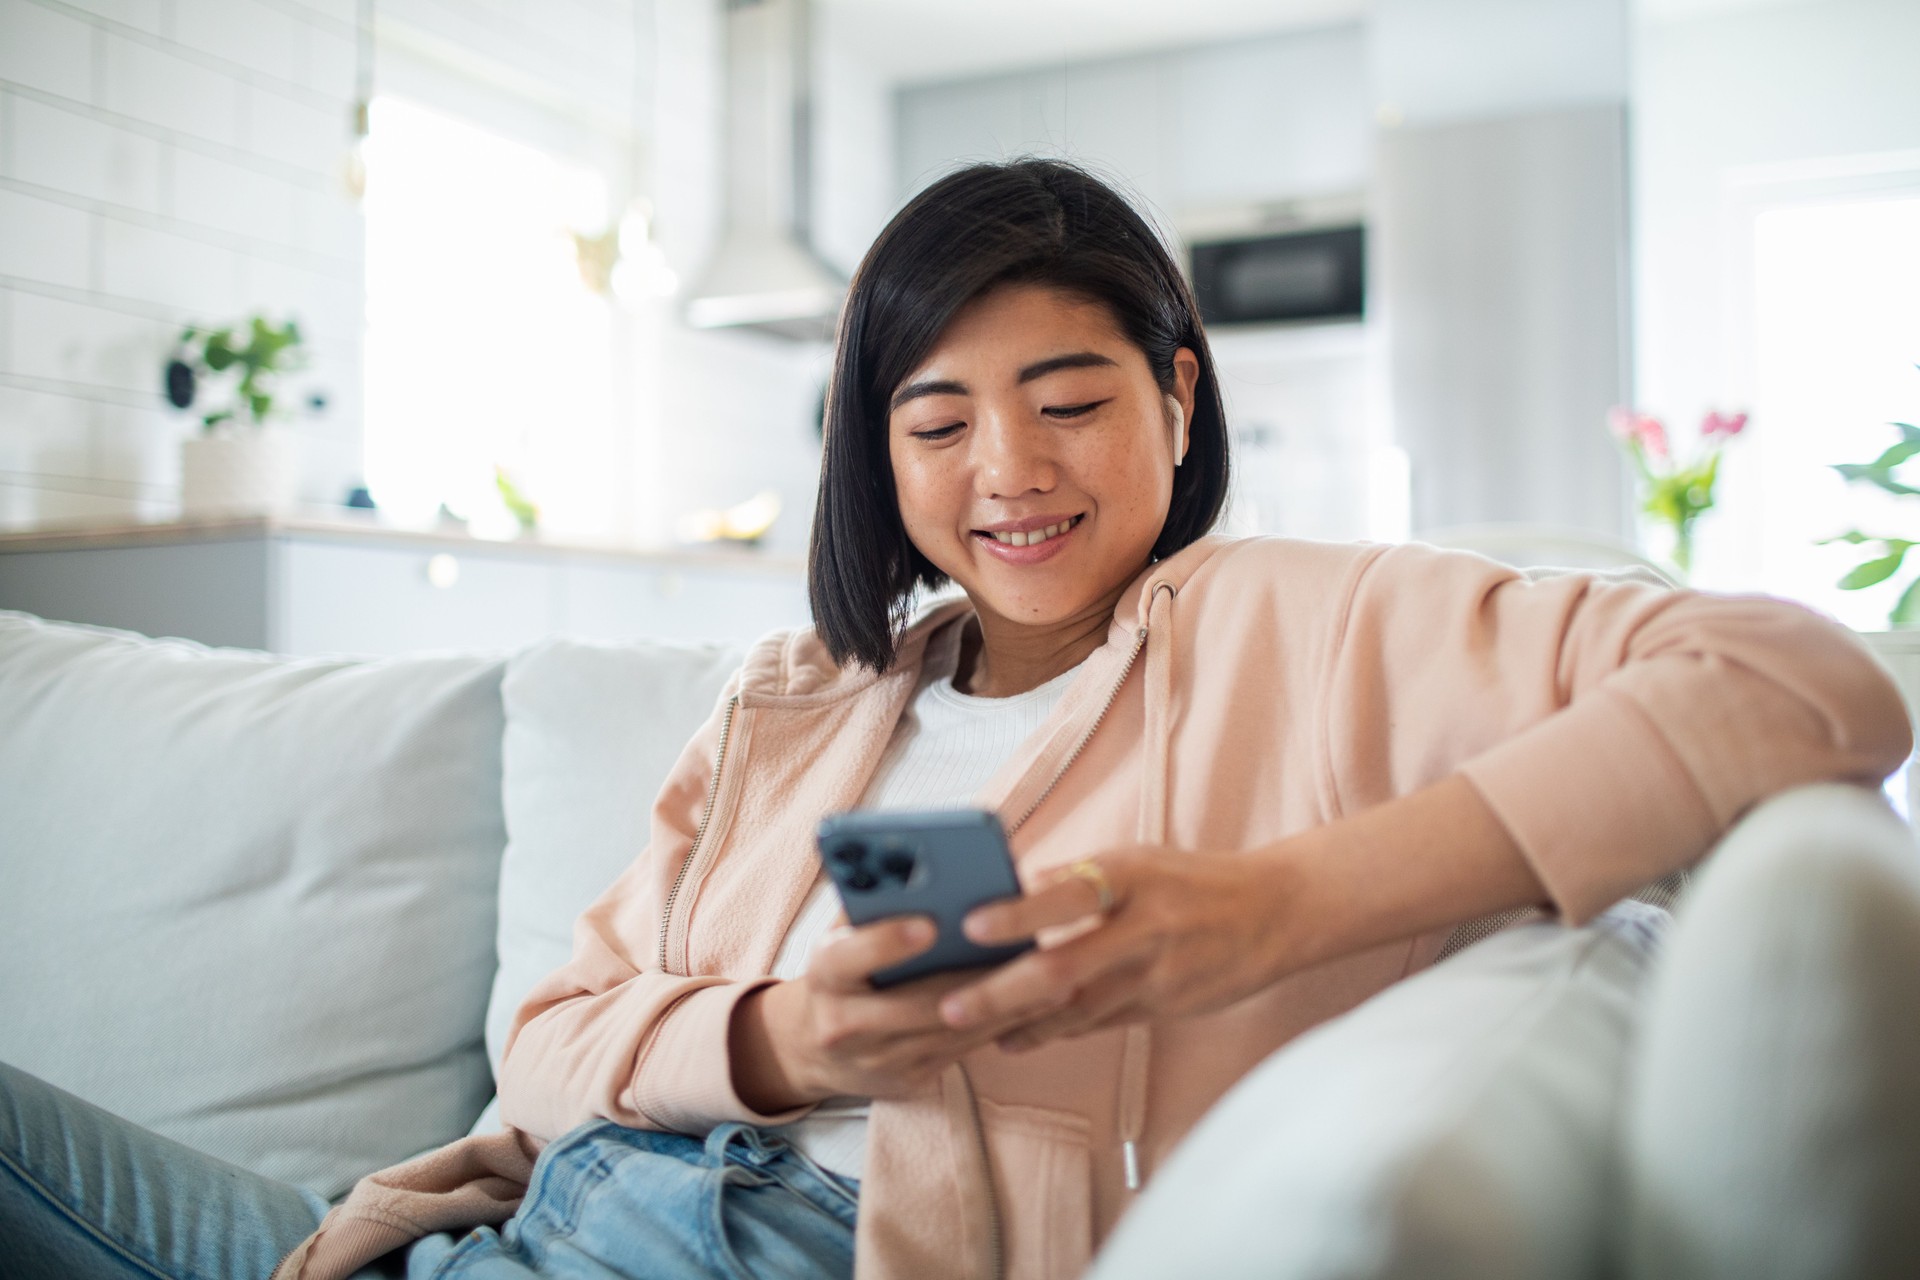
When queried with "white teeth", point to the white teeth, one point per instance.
{"points": [[1038, 535]]}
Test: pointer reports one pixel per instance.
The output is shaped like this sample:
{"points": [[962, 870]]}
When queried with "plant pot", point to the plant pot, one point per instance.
{"points": [[239, 471]]}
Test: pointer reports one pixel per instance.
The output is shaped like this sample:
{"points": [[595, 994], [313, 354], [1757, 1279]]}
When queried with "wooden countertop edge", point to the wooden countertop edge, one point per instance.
{"points": [[346, 529]]}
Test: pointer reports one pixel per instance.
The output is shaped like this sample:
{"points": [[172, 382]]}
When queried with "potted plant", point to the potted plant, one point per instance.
{"points": [[244, 459], [1889, 553]]}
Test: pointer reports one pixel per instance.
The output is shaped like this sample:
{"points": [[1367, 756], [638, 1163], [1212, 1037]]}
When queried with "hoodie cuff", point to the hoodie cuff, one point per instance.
{"points": [[1597, 800], [684, 1083]]}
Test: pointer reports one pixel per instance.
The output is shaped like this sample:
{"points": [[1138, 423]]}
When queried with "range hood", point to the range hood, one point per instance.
{"points": [[763, 276]]}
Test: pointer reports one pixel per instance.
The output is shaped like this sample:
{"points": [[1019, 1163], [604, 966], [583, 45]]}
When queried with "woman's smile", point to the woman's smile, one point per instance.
{"points": [[1031, 540]]}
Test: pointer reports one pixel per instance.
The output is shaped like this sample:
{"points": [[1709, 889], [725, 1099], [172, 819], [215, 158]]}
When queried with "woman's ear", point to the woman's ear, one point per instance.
{"points": [[1186, 379]]}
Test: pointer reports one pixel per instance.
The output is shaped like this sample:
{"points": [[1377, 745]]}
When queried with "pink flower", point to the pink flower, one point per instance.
{"points": [[1722, 424], [1643, 427]]}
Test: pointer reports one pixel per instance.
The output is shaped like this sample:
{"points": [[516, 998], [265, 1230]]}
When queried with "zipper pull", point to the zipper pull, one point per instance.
{"points": [[1130, 1152]]}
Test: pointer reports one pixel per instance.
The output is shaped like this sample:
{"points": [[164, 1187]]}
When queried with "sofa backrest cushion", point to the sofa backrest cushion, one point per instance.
{"points": [[247, 900], [592, 730]]}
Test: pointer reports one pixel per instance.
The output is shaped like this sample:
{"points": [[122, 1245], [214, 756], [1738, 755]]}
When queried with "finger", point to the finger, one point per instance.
{"points": [[1067, 897], [1043, 980], [847, 961], [1108, 1002]]}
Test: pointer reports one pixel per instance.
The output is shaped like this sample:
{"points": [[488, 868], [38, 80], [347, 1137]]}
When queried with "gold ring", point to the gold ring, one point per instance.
{"points": [[1089, 870]]}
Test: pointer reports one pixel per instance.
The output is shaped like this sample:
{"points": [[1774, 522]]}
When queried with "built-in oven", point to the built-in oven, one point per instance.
{"points": [[1318, 273]]}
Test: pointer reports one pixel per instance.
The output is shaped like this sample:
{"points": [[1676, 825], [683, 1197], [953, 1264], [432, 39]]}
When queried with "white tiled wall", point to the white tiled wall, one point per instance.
{"points": [[164, 163]]}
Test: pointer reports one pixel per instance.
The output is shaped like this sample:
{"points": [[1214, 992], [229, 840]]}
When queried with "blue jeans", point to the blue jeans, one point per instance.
{"points": [[85, 1194]]}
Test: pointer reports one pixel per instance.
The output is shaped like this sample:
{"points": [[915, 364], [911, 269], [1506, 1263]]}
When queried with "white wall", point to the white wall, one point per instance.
{"points": [[163, 164], [1438, 61], [1716, 97]]}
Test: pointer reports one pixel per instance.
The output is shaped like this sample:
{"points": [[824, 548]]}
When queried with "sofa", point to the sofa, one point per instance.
{"points": [[282, 909]]}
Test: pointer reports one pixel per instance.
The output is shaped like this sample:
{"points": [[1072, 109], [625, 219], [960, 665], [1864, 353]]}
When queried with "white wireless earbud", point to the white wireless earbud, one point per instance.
{"points": [[1179, 417]]}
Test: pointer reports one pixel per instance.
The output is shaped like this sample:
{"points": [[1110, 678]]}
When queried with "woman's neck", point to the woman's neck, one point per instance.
{"points": [[1000, 657]]}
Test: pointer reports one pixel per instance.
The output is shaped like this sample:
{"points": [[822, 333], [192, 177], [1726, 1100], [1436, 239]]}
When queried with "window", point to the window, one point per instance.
{"points": [[485, 346], [1836, 336]]}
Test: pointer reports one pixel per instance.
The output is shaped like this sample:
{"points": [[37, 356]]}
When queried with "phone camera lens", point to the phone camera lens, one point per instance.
{"points": [[850, 855], [862, 879], [897, 865]]}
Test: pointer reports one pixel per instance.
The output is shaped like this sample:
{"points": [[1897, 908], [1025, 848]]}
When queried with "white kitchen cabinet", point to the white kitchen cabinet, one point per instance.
{"points": [[327, 585], [1248, 122], [368, 597]]}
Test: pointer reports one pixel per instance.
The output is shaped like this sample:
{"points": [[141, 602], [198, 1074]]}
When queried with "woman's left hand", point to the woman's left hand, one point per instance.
{"points": [[1186, 933]]}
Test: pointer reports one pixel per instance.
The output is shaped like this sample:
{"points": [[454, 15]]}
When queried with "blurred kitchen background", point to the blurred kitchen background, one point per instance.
{"points": [[564, 275]]}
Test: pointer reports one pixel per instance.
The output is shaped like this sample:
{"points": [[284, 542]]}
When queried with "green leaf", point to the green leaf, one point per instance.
{"points": [[1854, 472], [1875, 571], [1896, 454], [1852, 535], [261, 404], [219, 350], [1908, 432], [1906, 610]]}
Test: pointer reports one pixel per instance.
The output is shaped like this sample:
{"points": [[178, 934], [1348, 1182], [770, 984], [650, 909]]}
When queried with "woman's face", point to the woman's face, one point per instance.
{"points": [[1033, 453]]}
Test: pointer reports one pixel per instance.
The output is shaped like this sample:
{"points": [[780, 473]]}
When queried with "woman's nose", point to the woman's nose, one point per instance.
{"points": [[1011, 456]]}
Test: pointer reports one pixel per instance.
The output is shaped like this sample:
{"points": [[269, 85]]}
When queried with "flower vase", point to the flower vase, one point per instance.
{"points": [[1669, 545], [239, 471]]}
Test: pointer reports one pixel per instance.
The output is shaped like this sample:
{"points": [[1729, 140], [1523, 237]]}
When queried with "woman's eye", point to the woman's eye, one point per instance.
{"points": [[1072, 410], [936, 433]]}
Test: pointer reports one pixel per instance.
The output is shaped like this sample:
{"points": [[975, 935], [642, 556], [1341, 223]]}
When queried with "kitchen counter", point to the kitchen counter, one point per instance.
{"points": [[352, 524], [326, 580]]}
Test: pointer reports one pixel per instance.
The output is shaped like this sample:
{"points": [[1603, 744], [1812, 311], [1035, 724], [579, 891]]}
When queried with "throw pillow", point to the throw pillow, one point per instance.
{"points": [[248, 900], [592, 729]]}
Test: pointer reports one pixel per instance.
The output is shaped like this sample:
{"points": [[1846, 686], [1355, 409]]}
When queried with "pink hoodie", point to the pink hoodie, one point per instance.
{"points": [[1248, 690]]}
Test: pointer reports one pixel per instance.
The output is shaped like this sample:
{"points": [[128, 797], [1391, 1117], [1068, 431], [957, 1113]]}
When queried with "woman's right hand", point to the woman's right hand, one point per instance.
{"points": [[829, 1033]]}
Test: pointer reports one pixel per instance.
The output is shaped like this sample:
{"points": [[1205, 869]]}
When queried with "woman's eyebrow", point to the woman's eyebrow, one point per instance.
{"points": [[1078, 360], [932, 387], [1038, 369]]}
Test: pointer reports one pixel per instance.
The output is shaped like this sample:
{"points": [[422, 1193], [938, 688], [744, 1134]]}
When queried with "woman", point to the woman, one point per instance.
{"points": [[1248, 784]]}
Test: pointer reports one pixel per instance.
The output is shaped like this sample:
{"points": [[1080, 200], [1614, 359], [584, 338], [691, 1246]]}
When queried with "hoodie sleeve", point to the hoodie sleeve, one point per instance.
{"points": [[610, 1034], [1616, 728]]}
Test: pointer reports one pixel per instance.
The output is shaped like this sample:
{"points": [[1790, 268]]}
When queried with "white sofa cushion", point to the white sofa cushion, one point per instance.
{"points": [[248, 900], [592, 730], [1456, 1125]]}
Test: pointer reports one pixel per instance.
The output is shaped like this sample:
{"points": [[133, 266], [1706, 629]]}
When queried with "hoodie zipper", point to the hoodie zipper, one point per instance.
{"points": [[994, 1238], [1113, 695], [700, 832], [996, 1251]]}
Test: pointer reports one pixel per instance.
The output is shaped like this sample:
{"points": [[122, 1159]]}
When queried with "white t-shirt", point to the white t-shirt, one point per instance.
{"points": [[946, 747]]}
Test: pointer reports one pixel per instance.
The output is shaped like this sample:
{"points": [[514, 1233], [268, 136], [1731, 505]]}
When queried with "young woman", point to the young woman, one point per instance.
{"points": [[1247, 783]]}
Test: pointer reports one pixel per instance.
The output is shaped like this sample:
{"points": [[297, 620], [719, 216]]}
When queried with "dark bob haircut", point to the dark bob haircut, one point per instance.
{"points": [[1026, 221]]}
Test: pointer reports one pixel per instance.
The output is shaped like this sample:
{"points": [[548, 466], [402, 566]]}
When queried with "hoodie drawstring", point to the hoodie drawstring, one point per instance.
{"points": [[1137, 1047]]}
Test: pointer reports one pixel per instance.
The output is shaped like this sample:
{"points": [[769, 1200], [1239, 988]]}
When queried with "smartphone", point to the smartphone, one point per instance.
{"points": [[939, 863]]}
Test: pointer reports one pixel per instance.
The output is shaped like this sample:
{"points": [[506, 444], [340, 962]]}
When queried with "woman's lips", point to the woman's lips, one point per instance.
{"points": [[1033, 552]]}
